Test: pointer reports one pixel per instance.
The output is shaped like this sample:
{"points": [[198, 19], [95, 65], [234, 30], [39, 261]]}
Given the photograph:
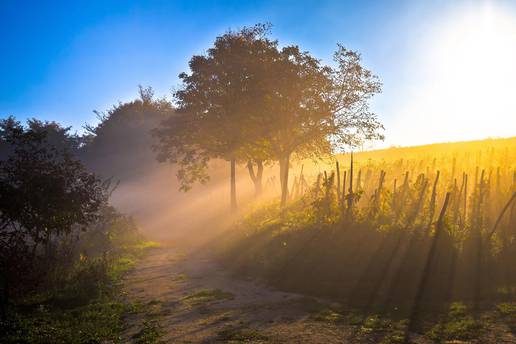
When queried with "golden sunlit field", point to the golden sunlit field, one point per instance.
{"points": [[403, 232]]}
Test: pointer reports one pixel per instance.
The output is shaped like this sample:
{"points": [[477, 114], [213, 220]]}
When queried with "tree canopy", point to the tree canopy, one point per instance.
{"points": [[44, 191], [248, 99], [217, 106], [120, 144], [54, 134]]}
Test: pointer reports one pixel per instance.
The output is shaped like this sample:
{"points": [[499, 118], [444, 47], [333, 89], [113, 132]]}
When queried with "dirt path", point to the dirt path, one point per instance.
{"points": [[188, 298], [195, 301]]}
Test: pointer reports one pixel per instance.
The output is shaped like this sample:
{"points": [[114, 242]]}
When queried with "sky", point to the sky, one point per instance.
{"points": [[447, 67]]}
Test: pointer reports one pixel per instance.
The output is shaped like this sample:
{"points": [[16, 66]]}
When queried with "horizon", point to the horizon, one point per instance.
{"points": [[434, 144]]}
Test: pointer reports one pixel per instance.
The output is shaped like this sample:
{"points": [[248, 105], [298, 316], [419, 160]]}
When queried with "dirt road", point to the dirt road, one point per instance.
{"points": [[194, 301], [188, 298]]}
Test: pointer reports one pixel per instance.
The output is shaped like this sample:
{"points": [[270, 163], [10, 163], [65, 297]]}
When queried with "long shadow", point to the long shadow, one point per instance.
{"points": [[392, 297], [354, 257], [365, 291], [422, 285], [401, 238], [287, 264]]}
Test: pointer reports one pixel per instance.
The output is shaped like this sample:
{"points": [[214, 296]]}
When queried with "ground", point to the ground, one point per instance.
{"points": [[191, 299]]}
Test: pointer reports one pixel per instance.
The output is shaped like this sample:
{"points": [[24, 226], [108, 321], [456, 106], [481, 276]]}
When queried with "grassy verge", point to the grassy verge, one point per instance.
{"points": [[373, 267], [86, 308]]}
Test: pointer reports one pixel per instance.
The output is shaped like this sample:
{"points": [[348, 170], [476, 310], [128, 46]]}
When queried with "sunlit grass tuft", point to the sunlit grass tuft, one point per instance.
{"points": [[207, 296]]}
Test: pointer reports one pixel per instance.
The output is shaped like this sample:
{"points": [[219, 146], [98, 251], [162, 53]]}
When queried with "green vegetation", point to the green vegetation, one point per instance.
{"points": [[206, 296], [64, 249], [507, 309], [457, 325], [87, 308], [403, 237], [327, 315], [384, 329], [150, 332], [396, 336], [374, 323], [99, 320]]}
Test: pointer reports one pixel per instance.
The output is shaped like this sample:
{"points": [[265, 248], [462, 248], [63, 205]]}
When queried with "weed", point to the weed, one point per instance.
{"points": [[396, 334], [327, 315], [82, 310], [458, 325], [150, 333], [180, 278], [374, 323], [507, 309], [207, 296]]}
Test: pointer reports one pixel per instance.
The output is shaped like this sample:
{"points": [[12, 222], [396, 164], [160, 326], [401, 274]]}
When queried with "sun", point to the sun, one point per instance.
{"points": [[465, 84], [477, 56]]}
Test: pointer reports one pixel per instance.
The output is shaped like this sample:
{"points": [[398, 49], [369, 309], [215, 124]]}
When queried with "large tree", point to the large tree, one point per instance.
{"points": [[216, 107], [249, 100]]}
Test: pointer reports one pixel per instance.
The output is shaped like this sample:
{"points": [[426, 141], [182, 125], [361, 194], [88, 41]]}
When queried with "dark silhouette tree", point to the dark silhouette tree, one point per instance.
{"points": [[44, 194], [119, 145], [55, 135]]}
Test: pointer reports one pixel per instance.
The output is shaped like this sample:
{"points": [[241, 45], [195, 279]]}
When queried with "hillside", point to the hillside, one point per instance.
{"points": [[440, 150]]}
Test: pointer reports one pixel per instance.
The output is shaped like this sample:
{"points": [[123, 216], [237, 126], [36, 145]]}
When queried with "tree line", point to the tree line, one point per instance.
{"points": [[55, 187], [247, 100]]}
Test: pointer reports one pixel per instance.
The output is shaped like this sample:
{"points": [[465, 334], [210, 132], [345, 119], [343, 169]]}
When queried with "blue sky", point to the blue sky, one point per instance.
{"points": [[62, 60]]}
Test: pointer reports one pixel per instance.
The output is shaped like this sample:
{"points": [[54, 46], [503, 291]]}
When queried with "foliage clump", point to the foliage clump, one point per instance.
{"points": [[457, 325]]}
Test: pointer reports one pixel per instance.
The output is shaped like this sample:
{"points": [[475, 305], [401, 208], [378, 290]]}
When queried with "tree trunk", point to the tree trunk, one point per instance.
{"points": [[284, 166], [337, 169], [256, 178], [233, 185]]}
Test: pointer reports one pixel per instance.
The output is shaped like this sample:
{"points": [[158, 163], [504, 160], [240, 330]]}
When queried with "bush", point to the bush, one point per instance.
{"points": [[82, 307]]}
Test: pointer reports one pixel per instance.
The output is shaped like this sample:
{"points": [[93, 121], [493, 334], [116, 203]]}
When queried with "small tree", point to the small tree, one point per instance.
{"points": [[44, 194], [352, 86], [314, 109]]}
